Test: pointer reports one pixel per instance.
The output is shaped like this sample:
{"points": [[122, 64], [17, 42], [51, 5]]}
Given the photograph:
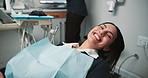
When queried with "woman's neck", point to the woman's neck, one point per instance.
{"points": [[85, 45]]}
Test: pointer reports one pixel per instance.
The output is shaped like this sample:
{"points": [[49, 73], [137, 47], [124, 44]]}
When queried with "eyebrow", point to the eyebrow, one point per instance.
{"points": [[104, 25], [109, 31]]}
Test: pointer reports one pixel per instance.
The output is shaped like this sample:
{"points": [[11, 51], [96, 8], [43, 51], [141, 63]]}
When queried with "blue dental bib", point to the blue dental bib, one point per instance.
{"points": [[44, 60]]}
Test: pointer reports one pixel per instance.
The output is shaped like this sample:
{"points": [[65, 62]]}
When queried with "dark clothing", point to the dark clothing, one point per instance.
{"points": [[77, 6], [3, 71], [76, 12], [99, 69], [73, 27]]}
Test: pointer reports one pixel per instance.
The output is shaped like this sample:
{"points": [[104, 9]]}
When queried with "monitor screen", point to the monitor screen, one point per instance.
{"points": [[53, 1]]}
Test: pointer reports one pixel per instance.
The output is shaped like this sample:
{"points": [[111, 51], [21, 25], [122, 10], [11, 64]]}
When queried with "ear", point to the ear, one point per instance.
{"points": [[106, 49]]}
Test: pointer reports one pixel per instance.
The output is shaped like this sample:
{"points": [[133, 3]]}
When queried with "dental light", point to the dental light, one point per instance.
{"points": [[112, 4]]}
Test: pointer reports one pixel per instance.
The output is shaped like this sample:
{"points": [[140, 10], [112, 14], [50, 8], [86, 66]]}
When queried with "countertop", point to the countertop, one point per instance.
{"points": [[44, 10]]}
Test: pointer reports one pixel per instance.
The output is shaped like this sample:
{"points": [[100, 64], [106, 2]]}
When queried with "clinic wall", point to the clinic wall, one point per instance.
{"points": [[132, 18]]}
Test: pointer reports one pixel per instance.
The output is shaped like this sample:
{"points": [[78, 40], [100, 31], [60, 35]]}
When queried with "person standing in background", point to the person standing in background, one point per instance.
{"points": [[76, 12]]}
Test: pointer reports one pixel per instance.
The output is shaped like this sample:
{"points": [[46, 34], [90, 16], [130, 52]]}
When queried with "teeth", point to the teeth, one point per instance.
{"points": [[97, 36]]}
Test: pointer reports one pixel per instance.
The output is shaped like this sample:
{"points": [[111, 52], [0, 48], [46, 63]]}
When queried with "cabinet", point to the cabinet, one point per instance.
{"points": [[57, 15]]}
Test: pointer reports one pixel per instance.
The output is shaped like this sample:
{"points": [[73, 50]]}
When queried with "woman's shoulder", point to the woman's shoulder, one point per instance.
{"points": [[99, 62], [99, 69]]}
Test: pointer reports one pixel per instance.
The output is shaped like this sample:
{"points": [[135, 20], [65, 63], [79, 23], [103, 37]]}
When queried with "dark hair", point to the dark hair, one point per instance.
{"points": [[38, 13], [117, 46]]}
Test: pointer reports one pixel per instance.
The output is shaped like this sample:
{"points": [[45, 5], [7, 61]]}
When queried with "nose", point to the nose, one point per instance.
{"points": [[102, 33]]}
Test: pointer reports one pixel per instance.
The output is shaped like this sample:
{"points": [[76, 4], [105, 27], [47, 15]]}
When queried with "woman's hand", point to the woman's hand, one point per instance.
{"points": [[1, 75]]}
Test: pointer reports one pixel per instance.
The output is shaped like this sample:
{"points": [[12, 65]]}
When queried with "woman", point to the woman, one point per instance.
{"points": [[107, 39], [111, 41], [104, 43]]}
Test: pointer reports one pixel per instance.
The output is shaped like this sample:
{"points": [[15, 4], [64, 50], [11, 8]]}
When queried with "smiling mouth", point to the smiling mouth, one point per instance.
{"points": [[97, 37]]}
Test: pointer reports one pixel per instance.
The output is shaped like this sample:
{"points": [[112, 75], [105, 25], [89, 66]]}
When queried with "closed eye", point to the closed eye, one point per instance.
{"points": [[110, 36], [101, 27]]}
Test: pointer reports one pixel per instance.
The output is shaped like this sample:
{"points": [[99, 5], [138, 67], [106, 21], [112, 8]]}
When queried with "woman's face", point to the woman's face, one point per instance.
{"points": [[100, 37]]}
